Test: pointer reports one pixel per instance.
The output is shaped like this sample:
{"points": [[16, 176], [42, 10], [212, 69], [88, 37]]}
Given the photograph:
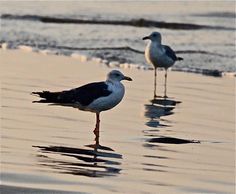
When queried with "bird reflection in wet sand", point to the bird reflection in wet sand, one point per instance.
{"points": [[93, 161], [158, 108]]}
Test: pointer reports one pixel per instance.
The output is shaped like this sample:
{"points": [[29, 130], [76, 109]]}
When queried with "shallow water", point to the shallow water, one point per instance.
{"points": [[183, 144], [207, 43]]}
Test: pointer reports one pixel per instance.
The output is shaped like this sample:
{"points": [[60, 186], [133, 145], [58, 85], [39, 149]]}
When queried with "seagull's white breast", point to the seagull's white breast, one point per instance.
{"points": [[105, 103], [155, 55]]}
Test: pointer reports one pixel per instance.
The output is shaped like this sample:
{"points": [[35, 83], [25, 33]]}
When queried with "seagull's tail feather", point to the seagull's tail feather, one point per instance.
{"points": [[180, 59], [48, 97]]}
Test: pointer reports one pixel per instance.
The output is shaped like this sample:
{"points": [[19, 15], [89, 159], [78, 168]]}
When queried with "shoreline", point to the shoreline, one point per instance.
{"points": [[115, 64]]}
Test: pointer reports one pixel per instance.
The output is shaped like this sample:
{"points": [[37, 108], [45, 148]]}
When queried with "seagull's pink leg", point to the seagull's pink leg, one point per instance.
{"points": [[96, 130]]}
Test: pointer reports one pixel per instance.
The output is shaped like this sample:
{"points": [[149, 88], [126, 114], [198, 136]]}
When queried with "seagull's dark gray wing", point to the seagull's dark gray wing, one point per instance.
{"points": [[170, 53], [84, 95]]}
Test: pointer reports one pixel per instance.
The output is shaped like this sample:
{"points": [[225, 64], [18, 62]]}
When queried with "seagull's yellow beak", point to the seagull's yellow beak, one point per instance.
{"points": [[127, 78]]}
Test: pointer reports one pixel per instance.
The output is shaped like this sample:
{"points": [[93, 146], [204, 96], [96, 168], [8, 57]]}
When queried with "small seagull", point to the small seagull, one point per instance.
{"points": [[94, 97], [159, 55]]}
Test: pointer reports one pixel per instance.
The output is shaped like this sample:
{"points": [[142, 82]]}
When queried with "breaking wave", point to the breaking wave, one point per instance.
{"points": [[141, 22]]}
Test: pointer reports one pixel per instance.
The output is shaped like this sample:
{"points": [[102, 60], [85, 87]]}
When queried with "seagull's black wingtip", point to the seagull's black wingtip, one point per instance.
{"points": [[180, 59]]}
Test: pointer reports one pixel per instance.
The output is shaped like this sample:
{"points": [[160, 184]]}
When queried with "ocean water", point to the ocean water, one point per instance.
{"points": [[203, 33]]}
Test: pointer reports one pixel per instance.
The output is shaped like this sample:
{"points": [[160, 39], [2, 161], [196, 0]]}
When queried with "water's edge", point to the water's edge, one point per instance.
{"points": [[113, 63]]}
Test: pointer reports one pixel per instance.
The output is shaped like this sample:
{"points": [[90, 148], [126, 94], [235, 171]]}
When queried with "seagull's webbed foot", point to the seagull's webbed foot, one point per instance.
{"points": [[156, 96]]}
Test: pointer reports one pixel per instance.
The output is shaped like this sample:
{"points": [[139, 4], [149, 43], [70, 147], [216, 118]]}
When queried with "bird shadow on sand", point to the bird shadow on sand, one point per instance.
{"points": [[93, 160], [158, 108]]}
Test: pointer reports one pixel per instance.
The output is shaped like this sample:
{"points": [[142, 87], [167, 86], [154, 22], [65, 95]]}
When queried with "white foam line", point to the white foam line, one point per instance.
{"points": [[4, 46], [26, 48], [84, 58]]}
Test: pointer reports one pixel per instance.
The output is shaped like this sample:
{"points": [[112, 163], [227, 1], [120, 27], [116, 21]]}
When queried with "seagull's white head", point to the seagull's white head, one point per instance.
{"points": [[116, 75], [154, 37]]}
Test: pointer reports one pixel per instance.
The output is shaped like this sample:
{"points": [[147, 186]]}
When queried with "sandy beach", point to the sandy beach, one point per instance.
{"points": [[184, 144]]}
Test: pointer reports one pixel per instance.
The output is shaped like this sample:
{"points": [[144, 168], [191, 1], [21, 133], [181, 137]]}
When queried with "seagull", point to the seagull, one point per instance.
{"points": [[94, 97], [159, 55]]}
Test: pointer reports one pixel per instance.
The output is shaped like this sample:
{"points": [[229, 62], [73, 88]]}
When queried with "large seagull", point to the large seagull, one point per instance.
{"points": [[94, 97]]}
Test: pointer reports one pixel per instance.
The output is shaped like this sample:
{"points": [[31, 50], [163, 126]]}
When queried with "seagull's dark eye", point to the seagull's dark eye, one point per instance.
{"points": [[117, 74]]}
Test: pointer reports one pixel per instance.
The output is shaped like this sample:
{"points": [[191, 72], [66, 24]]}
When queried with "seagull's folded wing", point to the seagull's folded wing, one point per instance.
{"points": [[84, 95]]}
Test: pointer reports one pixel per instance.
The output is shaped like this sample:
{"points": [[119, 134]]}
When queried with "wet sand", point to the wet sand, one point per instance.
{"points": [[25, 190], [183, 144]]}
